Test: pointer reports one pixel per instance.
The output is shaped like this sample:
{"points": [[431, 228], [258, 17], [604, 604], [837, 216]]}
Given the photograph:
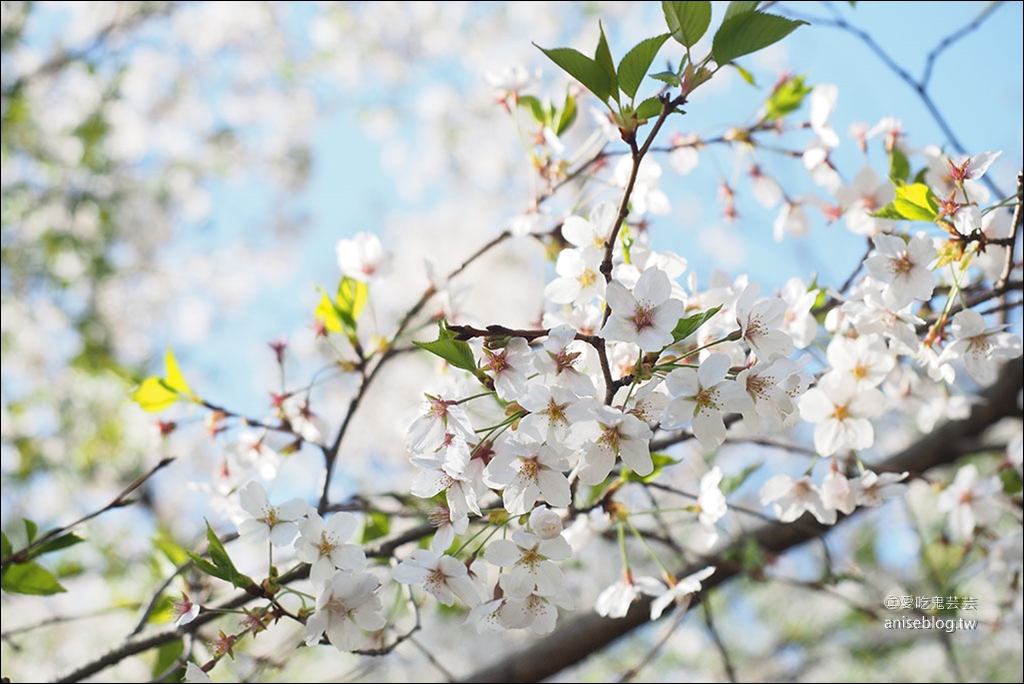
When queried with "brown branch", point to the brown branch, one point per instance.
{"points": [[1015, 223], [24, 555], [588, 633]]}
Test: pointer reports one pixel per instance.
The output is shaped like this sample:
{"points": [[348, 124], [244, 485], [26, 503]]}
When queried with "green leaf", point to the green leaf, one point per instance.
{"points": [[351, 300], [661, 461], [29, 578], [737, 7], [916, 202], [154, 395], [56, 544], [173, 378], [744, 74], [535, 108], [568, 114], [889, 211], [377, 525], [456, 352], [732, 482], [1012, 482], [166, 656], [648, 109], [172, 550], [585, 70], [222, 566], [689, 325], [634, 65], [5, 545], [667, 77], [31, 528], [899, 166], [786, 98], [742, 34], [687, 21], [603, 57]]}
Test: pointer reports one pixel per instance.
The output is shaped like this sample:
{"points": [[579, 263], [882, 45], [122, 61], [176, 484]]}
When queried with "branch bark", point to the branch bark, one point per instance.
{"points": [[589, 633]]}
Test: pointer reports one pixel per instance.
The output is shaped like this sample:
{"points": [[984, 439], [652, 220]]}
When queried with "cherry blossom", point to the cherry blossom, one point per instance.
{"points": [[971, 501], [703, 397], [323, 545], [904, 266], [841, 411], [791, 498], [647, 315], [526, 470], [444, 577], [528, 560], [347, 605], [981, 348], [278, 524], [680, 591], [362, 257], [610, 436], [615, 600]]}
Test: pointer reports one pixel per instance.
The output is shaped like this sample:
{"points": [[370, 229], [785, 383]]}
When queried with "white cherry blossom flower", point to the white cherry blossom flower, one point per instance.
{"points": [[529, 562], [196, 675], [462, 489], [771, 387], [981, 348], [840, 411], [703, 397], [509, 367], [323, 546], [612, 435], [791, 220], [798, 322], [712, 504], [861, 198], [594, 232], [562, 359], [837, 493], [526, 470], [904, 266], [537, 611], [362, 257], [970, 502], [347, 605], [440, 417], [760, 322], [871, 489], [680, 591], [614, 601], [579, 277], [645, 316], [279, 523], [791, 498], [444, 577], [865, 359]]}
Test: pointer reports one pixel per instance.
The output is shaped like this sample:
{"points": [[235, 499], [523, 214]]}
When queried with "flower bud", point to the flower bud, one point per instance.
{"points": [[545, 523]]}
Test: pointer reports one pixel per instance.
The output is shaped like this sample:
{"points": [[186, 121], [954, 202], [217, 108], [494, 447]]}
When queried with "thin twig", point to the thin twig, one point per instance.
{"points": [[730, 671]]}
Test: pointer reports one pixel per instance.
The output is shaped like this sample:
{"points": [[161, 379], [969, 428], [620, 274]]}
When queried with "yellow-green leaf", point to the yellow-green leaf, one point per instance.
{"points": [[154, 395], [916, 202], [174, 379], [327, 313], [352, 297]]}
